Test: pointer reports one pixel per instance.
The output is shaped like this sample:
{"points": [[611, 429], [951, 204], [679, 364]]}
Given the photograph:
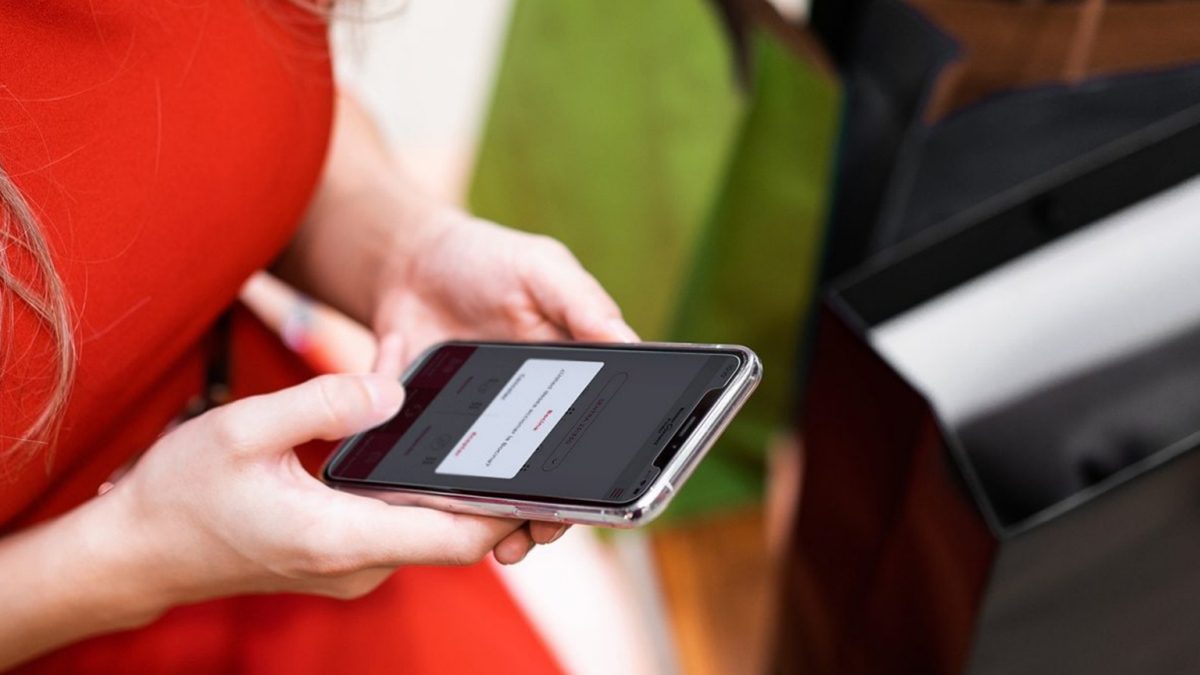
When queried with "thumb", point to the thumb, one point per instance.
{"points": [[329, 407]]}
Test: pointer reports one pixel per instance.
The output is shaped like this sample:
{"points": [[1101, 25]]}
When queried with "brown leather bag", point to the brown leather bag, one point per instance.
{"points": [[1008, 44]]}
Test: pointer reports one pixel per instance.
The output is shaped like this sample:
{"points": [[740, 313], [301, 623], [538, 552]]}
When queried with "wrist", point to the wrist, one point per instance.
{"points": [[127, 577], [82, 574], [364, 225], [411, 245], [360, 237]]}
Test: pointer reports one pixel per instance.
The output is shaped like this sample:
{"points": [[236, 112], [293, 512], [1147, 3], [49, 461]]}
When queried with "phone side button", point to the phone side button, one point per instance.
{"points": [[533, 513], [502, 510], [573, 516]]}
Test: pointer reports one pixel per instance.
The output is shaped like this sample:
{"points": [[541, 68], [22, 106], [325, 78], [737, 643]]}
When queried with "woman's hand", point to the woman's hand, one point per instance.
{"points": [[472, 279], [376, 247], [222, 506]]}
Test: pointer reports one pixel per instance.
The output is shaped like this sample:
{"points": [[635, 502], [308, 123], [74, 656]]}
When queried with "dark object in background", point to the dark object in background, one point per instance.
{"points": [[889, 57], [956, 159], [984, 150], [918, 74], [1058, 442], [906, 562]]}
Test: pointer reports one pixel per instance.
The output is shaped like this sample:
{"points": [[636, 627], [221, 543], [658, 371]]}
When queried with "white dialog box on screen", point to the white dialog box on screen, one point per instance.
{"points": [[521, 416]]}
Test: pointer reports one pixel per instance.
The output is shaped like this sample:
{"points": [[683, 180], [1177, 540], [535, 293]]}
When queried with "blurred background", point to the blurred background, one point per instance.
{"points": [[960, 233]]}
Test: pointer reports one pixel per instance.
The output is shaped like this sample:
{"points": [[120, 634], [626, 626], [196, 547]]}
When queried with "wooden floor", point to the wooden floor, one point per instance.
{"points": [[718, 582]]}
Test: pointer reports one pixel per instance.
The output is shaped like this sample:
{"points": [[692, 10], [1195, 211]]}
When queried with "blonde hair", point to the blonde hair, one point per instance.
{"points": [[45, 296]]}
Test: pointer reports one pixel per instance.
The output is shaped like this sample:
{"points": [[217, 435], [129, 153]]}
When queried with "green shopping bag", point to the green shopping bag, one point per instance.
{"points": [[619, 128]]}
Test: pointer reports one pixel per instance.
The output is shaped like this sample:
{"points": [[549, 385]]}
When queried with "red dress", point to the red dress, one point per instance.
{"points": [[169, 149]]}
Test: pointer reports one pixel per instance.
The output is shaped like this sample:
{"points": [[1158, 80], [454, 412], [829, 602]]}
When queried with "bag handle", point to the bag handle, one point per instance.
{"points": [[1090, 187], [739, 17], [1084, 41]]}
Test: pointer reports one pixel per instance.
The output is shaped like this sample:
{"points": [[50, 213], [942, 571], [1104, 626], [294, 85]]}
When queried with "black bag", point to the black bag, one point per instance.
{"points": [[902, 168], [1056, 533]]}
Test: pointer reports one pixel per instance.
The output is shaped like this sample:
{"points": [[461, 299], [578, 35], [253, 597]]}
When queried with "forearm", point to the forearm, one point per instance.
{"points": [[71, 578], [365, 214]]}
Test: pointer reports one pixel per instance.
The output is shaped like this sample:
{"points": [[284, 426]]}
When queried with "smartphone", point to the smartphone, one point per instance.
{"points": [[598, 434]]}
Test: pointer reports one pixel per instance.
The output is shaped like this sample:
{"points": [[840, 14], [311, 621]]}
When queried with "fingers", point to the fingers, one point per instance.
{"points": [[376, 534], [389, 360], [546, 533], [379, 534], [513, 548], [327, 340], [574, 300], [328, 407], [544, 331]]}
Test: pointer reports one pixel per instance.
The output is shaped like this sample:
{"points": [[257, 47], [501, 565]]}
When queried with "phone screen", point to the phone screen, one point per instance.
{"points": [[576, 424]]}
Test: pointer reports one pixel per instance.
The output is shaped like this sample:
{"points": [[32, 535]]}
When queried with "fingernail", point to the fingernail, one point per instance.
{"points": [[621, 329], [558, 533], [512, 561], [386, 394]]}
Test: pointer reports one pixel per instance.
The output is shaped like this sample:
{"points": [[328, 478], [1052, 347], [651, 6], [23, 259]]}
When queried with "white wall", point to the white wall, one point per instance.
{"points": [[425, 68]]}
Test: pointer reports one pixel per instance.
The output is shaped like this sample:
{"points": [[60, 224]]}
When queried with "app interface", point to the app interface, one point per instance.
{"points": [[564, 423]]}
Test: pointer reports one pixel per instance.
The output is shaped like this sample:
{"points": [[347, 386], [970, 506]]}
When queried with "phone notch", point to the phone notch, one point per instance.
{"points": [[702, 407]]}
